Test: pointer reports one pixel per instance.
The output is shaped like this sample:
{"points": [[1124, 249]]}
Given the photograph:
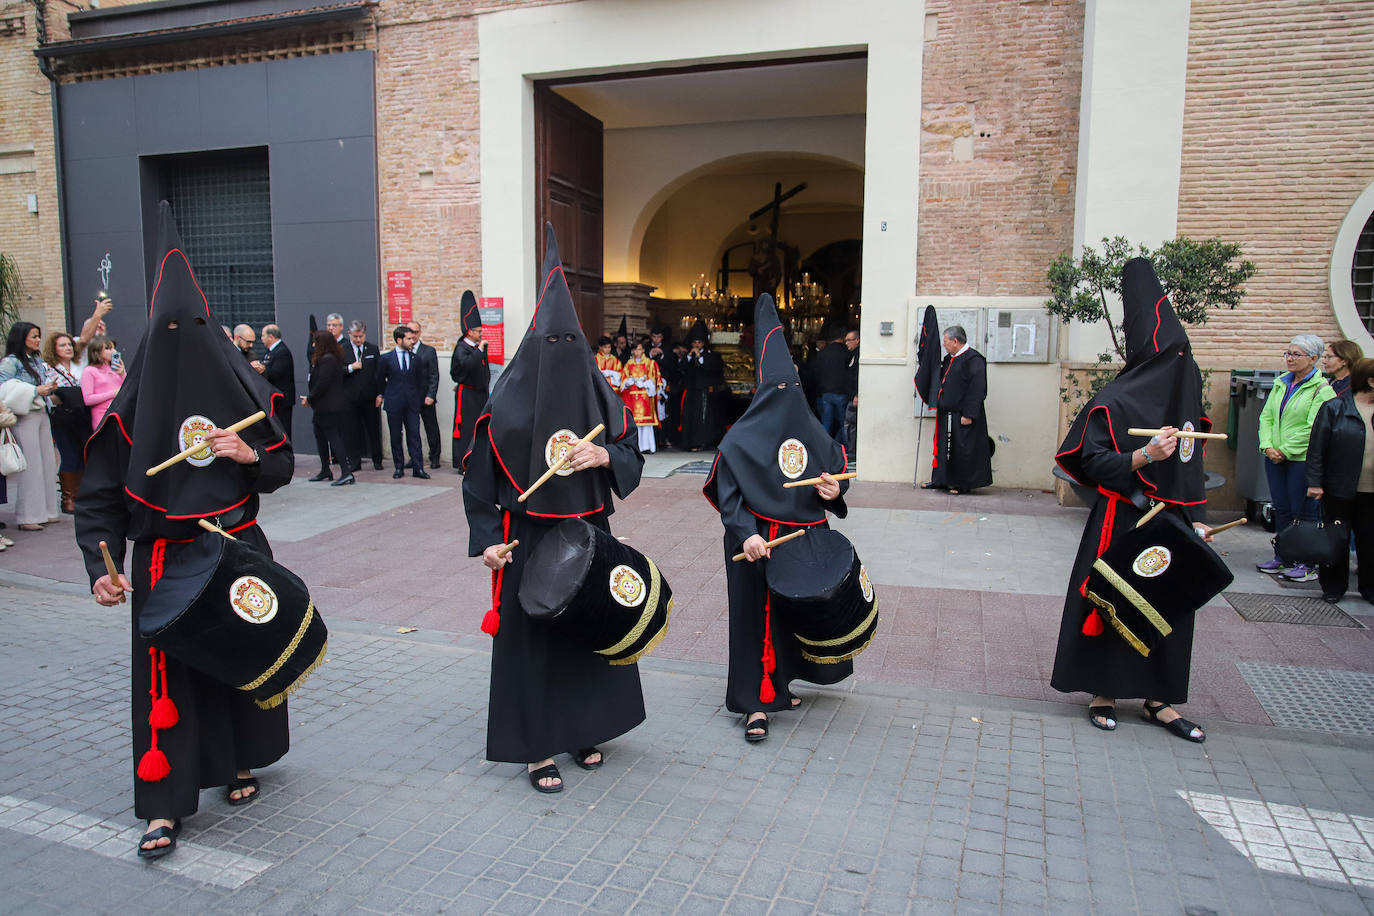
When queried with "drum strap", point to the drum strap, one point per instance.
{"points": [[491, 621], [770, 659]]}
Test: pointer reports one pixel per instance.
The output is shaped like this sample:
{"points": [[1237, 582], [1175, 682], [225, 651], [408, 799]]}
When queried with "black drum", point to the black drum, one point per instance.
{"points": [[598, 592], [230, 612], [822, 593], [1152, 576]]}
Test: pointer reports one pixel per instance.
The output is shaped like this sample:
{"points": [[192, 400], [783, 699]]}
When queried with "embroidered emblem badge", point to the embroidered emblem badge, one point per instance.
{"points": [[559, 444], [627, 586], [865, 584], [792, 459], [252, 599], [193, 431], [1186, 446], [1152, 561]]}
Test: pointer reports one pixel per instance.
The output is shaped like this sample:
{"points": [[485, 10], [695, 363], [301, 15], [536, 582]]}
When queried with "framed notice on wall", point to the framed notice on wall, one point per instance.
{"points": [[398, 301], [493, 312]]}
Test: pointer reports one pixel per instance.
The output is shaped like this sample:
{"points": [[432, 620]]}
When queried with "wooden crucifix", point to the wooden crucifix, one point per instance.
{"points": [[764, 266]]}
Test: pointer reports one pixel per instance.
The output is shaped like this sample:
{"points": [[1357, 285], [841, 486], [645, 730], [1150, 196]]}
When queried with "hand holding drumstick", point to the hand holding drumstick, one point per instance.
{"points": [[109, 589], [498, 555]]}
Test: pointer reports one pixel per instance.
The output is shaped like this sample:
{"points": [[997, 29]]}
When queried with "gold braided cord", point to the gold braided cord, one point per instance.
{"points": [[653, 643], [650, 606], [836, 659], [287, 652], [826, 643], [1110, 610], [274, 701], [1133, 596]]}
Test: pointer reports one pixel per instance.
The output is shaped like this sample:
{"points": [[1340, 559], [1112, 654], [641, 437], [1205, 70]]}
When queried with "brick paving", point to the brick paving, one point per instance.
{"points": [[944, 777]]}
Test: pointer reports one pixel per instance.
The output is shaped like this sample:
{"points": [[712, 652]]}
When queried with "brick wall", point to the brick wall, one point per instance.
{"points": [[1278, 140], [999, 144]]}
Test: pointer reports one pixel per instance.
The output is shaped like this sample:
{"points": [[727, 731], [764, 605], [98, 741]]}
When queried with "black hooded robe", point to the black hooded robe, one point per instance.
{"points": [[745, 487], [1160, 385], [193, 370], [547, 697], [471, 374], [963, 453], [702, 383]]}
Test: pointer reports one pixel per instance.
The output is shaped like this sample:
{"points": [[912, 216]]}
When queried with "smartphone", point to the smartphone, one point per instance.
{"points": [[117, 360]]}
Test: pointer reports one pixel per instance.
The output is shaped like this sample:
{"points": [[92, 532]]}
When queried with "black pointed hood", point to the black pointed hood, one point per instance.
{"points": [[1160, 385], [621, 331], [929, 353], [551, 390], [778, 438], [469, 315], [180, 381], [699, 332]]}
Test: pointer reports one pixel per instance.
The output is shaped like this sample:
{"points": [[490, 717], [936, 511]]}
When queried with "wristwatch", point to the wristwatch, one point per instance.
{"points": [[1146, 455]]}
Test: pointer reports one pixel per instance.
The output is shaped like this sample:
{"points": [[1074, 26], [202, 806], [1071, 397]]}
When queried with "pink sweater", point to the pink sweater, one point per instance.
{"points": [[99, 385]]}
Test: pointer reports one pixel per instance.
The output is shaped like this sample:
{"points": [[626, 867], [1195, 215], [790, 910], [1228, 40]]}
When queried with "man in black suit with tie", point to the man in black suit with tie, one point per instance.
{"points": [[400, 387], [360, 384], [428, 360], [279, 368]]}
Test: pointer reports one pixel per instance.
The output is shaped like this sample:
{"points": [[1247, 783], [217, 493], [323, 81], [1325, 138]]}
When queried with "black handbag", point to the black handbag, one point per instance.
{"points": [[70, 413], [1312, 543]]}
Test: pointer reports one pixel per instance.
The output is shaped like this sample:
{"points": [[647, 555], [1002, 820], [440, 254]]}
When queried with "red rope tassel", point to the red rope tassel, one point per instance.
{"points": [[770, 659], [1093, 625], [153, 765], [155, 565], [164, 714], [491, 621]]}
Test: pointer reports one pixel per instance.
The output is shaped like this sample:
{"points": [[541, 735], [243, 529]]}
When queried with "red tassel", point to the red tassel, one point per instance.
{"points": [[164, 713], [766, 693], [155, 564], [491, 622], [154, 766], [1093, 625], [770, 659]]}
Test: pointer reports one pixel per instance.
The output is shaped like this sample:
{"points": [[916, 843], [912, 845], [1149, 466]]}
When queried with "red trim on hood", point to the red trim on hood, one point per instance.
{"points": [[153, 299], [1154, 338], [547, 280], [764, 349]]}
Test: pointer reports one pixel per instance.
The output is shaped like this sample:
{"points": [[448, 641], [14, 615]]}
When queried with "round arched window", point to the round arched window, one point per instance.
{"points": [[1362, 275], [1351, 275]]}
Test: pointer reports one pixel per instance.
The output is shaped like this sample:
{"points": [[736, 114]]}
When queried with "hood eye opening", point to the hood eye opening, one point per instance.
{"points": [[552, 338], [570, 337], [200, 321]]}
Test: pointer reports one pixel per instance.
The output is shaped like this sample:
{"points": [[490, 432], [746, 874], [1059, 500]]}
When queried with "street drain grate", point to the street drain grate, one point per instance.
{"points": [[1289, 609], [693, 467], [1313, 698]]}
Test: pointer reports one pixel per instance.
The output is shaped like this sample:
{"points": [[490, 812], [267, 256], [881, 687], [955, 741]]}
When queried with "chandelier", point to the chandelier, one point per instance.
{"points": [[721, 304], [810, 305]]}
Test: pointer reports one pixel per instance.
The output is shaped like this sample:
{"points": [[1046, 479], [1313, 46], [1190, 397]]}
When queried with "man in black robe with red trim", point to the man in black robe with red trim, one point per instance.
{"points": [[963, 451], [702, 373], [778, 438], [1160, 387], [471, 376], [548, 697], [185, 380]]}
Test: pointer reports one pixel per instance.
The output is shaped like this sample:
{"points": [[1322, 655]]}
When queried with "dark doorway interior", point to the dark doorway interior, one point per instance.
{"points": [[223, 209]]}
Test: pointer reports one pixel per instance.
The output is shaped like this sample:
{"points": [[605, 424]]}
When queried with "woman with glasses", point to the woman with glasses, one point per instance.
{"points": [[1339, 357], [1285, 426]]}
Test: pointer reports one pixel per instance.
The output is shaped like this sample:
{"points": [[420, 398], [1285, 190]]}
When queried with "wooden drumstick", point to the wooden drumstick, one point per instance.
{"points": [[1178, 434], [850, 475], [1154, 510], [507, 548], [111, 568], [211, 526], [1220, 528], [558, 465], [775, 542], [192, 449]]}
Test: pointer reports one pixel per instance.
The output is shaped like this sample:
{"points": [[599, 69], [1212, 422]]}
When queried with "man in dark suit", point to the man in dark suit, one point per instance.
{"points": [[428, 359], [360, 384], [400, 387], [279, 368]]}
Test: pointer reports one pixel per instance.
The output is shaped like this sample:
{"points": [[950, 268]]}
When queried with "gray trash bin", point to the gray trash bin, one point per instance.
{"points": [[1249, 390]]}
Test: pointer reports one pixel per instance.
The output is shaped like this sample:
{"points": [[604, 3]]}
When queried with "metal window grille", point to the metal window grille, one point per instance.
{"points": [[223, 210], [1362, 274]]}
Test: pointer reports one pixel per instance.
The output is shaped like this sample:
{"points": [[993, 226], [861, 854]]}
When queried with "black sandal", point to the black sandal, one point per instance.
{"points": [[158, 852], [1107, 712], [1180, 726], [238, 785], [757, 723], [580, 758], [548, 771]]}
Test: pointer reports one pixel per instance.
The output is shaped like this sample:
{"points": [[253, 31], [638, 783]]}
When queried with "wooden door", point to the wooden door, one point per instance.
{"points": [[568, 169]]}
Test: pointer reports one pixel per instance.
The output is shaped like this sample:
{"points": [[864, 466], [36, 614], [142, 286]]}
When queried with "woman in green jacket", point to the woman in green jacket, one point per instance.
{"points": [[1285, 425]]}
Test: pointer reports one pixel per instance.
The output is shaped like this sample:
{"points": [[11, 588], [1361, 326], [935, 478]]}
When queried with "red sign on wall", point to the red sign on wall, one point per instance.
{"points": [[493, 311], [398, 296]]}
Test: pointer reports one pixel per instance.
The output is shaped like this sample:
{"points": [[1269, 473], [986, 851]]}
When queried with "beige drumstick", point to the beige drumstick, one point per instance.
{"points": [[1220, 528], [1179, 434], [110, 567], [775, 542], [191, 450], [558, 465], [507, 548], [1154, 510], [814, 480], [210, 526]]}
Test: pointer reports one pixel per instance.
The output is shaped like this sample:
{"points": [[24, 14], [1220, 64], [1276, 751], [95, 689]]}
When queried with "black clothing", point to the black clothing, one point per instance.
{"points": [[929, 355], [400, 390], [700, 424], [326, 393], [1357, 513], [547, 697], [471, 373], [363, 425], [279, 368], [830, 370], [963, 453], [1335, 451], [429, 417], [1342, 386]]}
